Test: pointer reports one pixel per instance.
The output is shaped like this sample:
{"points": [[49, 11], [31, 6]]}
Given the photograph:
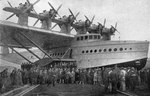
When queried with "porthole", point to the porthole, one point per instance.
{"points": [[130, 48], [115, 49], [100, 50], [58, 54], [121, 49], [78, 38], [81, 37], [95, 36], [125, 48], [110, 50], [87, 51], [86, 37], [91, 51], [61, 53], [90, 37], [82, 51], [105, 50], [98, 36], [95, 50]]}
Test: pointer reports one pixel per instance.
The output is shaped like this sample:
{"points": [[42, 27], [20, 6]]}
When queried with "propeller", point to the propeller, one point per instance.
{"points": [[115, 28], [74, 16], [56, 11], [89, 20], [52, 15], [31, 5]]}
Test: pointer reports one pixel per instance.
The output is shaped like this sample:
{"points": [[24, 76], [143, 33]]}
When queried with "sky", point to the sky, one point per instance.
{"points": [[132, 16]]}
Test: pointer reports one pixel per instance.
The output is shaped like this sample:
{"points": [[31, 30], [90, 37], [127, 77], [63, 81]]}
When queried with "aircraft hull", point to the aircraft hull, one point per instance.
{"points": [[106, 53]]}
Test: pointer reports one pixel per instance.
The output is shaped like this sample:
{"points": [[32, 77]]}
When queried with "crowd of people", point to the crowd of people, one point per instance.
{"points": [[112, 79]]}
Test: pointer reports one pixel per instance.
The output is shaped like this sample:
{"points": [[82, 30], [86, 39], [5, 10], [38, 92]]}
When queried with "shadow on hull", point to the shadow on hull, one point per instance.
{"points": [[139, 64]]}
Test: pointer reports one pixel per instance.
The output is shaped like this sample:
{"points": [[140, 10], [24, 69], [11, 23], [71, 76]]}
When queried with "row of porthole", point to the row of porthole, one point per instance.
{"points": [[57, 54], [104, 50]]}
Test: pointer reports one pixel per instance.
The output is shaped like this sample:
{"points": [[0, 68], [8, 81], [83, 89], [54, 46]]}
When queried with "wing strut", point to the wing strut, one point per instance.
{"points": [[19, 53], [26, 48], [65, 52], [36, 45]]}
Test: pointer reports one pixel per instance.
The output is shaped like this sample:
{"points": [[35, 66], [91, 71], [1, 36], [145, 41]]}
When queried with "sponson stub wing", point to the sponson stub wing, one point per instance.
{"points": [[42, 37]]}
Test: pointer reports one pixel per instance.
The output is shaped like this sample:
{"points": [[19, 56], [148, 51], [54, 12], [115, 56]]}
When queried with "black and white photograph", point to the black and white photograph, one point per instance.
{"points": [[74, 48]]}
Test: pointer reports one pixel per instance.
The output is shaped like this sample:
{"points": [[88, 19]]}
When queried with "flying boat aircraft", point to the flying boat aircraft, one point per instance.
{"points": [[87, 50]]}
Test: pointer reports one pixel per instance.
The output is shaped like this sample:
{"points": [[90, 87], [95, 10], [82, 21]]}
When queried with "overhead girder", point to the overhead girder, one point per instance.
{"points": [[35, 45], [26, 48], [19, 54]]}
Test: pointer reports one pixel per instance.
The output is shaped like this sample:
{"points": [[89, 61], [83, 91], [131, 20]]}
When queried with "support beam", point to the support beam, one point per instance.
{"points": [[26, 48], [19, 54], [65, 52], [35, 45]]}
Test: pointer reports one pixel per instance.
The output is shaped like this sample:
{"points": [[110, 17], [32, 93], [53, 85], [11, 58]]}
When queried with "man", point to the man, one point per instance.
{"points": [[123, 79], [114, 77], [133, 78]]}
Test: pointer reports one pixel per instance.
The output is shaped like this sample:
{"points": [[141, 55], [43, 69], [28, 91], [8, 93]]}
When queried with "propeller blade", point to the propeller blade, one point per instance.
{"points": [[118, 31], [58, 10], [36, 22], [28, 1], [10, 16], [87, 18], [104, 22], [99, 24], [27, 9], [92, 19], [51, 6], [71, 12], [59, 7], [116, 25], [35, 12], [77, 14], [35, 2], [9, 4], [31, 5], [54, 26]]}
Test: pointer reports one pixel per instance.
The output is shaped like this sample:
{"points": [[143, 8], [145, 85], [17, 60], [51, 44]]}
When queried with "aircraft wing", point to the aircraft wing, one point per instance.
{"points": [[41, 37], [12, 9], [17, 11]]}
